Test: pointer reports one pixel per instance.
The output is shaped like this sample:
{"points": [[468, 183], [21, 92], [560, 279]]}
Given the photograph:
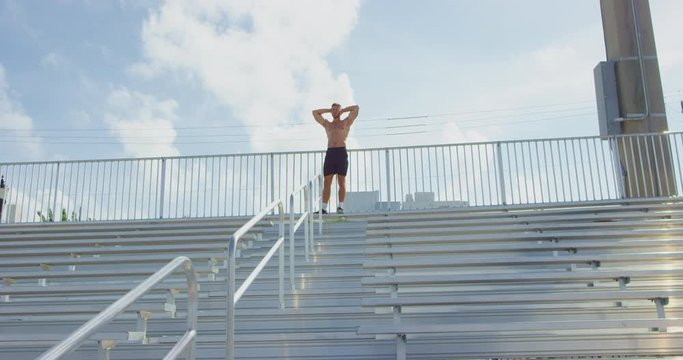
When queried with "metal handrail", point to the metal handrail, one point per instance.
{"points": [[307, 217], [186, 343], [235, 295]]}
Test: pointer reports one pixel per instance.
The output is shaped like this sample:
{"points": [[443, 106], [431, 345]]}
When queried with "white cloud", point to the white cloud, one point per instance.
{"points": [[562, 68], [560, 72], [453, 134], [143, 124], [666, 19], [54, 59], [22, 142], [263, 59]]}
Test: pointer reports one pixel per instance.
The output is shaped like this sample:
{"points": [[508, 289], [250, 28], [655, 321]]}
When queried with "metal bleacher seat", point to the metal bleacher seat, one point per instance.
{"points": [[580, 280], [57, 276], [541, 281]]}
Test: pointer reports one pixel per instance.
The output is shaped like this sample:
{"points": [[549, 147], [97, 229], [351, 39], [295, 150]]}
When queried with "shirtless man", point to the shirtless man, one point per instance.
{"points": [[336, 158]]}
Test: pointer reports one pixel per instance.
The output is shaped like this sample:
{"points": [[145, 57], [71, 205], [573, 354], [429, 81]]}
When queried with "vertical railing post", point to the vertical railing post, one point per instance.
{"points": [[307, 211], [291, 241], [320, 204], [311, 233], [309, 221], [281, 264], [162, 188], [272, 178], [388, 168], [54, 199], [501, 175], [230, 306], [619, 174]]}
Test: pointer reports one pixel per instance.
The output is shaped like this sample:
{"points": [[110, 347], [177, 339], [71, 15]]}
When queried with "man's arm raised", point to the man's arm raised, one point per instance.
{"points": [[353, 113], [318, 116]]}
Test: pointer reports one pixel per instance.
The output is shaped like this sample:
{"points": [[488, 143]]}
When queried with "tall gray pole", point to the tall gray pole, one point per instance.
{"points": [[630, 43], [2, 195]]}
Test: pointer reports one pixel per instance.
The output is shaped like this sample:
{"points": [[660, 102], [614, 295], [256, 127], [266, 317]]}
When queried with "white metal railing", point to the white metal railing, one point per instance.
{"points": [[185, 345], [233, 296], [473, 174], [305, 218]]}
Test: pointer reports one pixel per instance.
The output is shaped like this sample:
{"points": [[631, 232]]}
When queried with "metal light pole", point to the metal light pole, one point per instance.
{"points": [[639, 100], [2, 195]]}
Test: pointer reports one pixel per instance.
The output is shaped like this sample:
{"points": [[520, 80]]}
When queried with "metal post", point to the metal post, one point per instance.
{"points": [[272, 178], [307, 211], [189, 212], [311, 233], [281, 265], [291, 241], [54, 200], [401, 346], [660, 302], [162, 188], [501, 176], [386, 155], [661, 314], [436, 170], [104, 349], [320, 205], [396, 317], [2, 195], [230, 306]]}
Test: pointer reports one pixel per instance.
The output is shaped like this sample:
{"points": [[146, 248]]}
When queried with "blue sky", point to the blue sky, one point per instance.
{"points": [[92, 79]]}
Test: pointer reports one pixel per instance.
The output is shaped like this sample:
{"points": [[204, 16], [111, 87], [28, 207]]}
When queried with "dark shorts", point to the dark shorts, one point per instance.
{"points": [[336, 161]]}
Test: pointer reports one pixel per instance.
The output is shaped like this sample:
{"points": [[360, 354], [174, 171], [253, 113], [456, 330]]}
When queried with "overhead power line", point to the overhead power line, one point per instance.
{"points": [[424, 127], [237, 126], [361, 120], [151, 143]]}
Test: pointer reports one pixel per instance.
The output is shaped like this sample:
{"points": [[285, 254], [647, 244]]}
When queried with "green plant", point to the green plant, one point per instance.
{"points": [[50, 216]]}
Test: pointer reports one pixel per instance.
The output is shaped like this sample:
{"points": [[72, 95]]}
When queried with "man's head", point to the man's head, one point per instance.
{"points": [[336, 110]]}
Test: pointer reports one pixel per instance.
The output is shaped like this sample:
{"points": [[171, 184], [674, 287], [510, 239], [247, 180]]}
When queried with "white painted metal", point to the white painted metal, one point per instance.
{"points": [[235, 295], [477, 174], [186, 346], [305, 218]]}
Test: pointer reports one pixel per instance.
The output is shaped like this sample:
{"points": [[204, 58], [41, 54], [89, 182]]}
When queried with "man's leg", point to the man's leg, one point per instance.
{"points": [[341, 181], [327, 190]]}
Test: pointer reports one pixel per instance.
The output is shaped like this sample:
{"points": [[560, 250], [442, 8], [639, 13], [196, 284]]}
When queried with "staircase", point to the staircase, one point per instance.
{"points": [[588, 279]]}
